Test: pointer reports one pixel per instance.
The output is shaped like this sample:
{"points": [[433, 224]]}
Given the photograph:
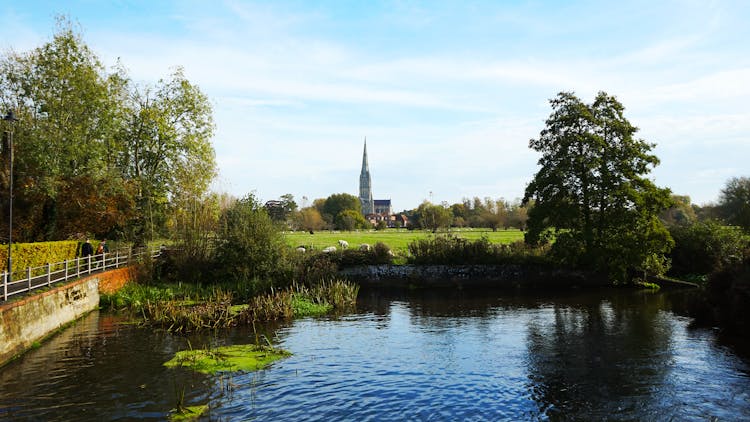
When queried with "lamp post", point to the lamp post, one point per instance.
{"points": [[10, 117]]}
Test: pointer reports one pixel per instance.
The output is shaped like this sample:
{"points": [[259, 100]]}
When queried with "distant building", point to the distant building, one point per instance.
{"points": [[383, 206], [376, 210]]}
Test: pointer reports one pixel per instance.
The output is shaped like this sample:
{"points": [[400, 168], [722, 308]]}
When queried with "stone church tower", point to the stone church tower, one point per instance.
{"points": [[365, 186]]}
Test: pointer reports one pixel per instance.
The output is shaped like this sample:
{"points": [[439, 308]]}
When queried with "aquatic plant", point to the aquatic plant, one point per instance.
{"points": [[243, 357], [214, 313], [299, 300], [181, 309], [187, 413]]}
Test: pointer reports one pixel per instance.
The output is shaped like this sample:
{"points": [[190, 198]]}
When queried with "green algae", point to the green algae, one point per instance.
{"points": [[245, 357], [188, 413], [303, 307], [237, 309]]}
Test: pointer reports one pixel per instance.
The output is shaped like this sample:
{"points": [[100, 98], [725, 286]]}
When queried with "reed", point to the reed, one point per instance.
{"points": [[299, 300], [188, 308]]}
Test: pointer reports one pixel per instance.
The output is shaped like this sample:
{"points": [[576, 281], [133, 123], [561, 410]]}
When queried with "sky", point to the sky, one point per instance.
{"points": [[448, 94]]}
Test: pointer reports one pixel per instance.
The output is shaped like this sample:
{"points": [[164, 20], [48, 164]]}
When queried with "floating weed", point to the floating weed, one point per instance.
{"points": [[246, 357], [188, 413]]}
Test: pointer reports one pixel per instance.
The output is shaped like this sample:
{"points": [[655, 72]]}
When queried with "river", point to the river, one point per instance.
{"points": [[441, 355]]}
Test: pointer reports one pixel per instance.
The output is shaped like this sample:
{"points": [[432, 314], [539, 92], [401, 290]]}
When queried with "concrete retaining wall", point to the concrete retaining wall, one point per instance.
{"points": [[33, 318]]}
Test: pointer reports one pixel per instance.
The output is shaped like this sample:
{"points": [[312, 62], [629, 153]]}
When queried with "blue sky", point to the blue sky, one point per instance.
{"points": [[448, 94]]}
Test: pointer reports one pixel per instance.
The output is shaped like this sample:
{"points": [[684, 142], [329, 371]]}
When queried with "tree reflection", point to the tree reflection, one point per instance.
{"points": [[598, 358]]}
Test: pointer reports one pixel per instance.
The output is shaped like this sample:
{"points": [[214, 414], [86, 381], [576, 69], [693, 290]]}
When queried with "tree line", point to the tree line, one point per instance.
{"points": [[343, 211], [96, 152]]}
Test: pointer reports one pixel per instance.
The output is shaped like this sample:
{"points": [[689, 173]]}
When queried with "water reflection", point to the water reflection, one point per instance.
{"points": [[599, 358], [439, 355]]}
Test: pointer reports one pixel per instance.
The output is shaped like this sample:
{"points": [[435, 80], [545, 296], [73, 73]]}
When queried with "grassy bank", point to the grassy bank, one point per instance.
{"points": [[397, 239]]}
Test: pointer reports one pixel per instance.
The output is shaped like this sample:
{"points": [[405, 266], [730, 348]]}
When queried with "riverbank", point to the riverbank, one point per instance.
{"points": [[28, 321], [460, 276]]}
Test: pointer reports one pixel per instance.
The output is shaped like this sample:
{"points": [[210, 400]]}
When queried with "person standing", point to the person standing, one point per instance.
{"points": [[101, 250], [86, 251]]}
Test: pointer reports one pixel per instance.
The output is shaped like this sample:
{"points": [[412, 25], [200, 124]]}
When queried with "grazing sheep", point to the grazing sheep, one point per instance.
{"points": [[301, 249], [365, 247], [344, 244], [329, 249]]}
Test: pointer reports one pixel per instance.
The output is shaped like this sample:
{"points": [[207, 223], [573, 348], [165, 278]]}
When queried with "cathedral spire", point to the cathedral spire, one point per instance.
{"points": [[365, 185], [365, 164]]}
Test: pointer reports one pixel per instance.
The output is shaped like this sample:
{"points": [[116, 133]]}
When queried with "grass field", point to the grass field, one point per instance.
{"points": [[397, 240]]}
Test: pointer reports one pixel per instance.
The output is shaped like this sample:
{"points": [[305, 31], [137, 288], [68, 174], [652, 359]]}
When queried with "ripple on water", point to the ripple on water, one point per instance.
{"points": [[582, 356]]}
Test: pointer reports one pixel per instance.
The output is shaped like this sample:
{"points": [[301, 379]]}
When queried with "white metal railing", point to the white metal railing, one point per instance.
{"points": [[38, 277]]}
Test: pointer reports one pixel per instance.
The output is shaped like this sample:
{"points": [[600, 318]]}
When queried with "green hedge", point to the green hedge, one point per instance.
{"points": [[39, 254]]}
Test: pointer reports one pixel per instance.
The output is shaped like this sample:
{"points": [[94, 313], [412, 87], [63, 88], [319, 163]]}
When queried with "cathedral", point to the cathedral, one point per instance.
{"points": [[370, 207]]}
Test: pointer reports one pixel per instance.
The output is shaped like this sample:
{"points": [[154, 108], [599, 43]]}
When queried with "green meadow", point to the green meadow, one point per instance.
{"points": [[397, 239]]}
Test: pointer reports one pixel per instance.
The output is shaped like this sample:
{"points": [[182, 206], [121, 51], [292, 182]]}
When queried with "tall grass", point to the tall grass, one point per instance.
{"points": [[299, 300], [185, 308]]}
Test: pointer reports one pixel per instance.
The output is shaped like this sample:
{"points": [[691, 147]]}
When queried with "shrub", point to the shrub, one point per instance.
{"points": [[250, 246], [453, 250], [705, 247]]}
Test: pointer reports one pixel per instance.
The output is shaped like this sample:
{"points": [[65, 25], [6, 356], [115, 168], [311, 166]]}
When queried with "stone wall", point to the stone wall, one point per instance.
{"points": [[511, 276], [31, 319]]}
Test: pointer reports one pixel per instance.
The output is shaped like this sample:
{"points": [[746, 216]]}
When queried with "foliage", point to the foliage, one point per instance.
{"points": [[310, 220], [250, 246], [96, 153], [680, 212], [339, 203], [38, 254], [316, 267], [734, 202], [433, 217], [299, 300], [453, 250], [281, 210], [726, 299], [705, 247], [490, 213], [246, 357], [165, 148], [187, 413], [194, 224], [303, 307], [592, 191], [351, 220]]}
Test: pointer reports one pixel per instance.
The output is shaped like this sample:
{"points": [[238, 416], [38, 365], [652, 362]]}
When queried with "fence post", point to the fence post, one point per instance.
{"points": [[5, 285], [78, 267], [117, 259], [28, 277], [66, 270], [49, 274], [88, 263]]}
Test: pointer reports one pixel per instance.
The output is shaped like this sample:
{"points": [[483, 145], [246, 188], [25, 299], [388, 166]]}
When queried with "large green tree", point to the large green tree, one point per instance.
{"points": [[67, 113], [166, 149], [94, 152], [591, 189], [337, 203]]}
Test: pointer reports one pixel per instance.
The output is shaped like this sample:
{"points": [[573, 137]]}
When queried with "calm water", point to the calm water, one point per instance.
{"points": [[613, 355]]}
